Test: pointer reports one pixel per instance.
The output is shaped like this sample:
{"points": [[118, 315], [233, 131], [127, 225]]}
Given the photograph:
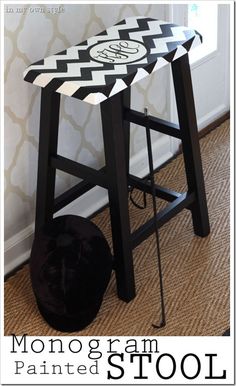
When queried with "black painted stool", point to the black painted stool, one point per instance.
{"points": [[101, 70]]}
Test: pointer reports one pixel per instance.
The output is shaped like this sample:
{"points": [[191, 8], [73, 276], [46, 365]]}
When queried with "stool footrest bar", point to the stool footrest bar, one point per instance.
{"points": [[156, 124], [96, 177], [73, 193], [160, 191], [145, 230]]}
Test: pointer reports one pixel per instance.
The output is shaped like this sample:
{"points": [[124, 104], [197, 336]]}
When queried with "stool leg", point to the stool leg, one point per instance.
{"points": [[126, 124], [116, 169], [190, 141], [48, 136]]}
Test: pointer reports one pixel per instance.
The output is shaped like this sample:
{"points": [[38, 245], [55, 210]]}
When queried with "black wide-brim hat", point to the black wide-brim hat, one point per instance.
{"points": [[70, 268]]}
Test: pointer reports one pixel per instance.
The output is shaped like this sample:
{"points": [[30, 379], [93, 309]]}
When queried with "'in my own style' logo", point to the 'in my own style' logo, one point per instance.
{"points": [[118, 51]]}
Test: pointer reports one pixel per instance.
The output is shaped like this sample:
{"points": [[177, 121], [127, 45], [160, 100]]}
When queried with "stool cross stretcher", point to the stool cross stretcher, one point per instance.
{"points": [[101, 70]]}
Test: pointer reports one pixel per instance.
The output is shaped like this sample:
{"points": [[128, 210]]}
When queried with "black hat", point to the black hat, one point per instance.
{"points": [[70, 268]]}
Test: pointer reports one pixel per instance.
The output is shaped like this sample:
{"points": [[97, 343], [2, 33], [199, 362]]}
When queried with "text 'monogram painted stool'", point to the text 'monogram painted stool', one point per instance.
{"points": [[100, 71]]}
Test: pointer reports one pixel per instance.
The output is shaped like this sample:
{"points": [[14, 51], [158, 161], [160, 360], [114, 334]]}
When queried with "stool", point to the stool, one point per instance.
{"points": [[100, 71]]}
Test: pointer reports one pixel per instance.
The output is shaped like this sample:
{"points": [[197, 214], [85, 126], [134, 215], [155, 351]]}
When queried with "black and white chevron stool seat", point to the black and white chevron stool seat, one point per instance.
{"points": [[113, 60]]}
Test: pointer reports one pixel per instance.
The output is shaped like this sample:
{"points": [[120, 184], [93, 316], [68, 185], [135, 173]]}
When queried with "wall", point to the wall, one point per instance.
{"points": [[210, 73], [31, 33]]}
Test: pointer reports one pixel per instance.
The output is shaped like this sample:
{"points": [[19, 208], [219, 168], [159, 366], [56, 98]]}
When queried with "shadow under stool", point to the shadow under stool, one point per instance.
{"points": [[101, 70]]}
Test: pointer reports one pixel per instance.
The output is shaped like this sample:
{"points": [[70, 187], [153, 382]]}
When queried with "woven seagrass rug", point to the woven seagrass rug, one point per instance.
{"points": [[196, 270]]}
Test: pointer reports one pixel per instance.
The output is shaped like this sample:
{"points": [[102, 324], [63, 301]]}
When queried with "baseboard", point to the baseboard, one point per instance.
{"points": [[17, 248], [214, 118], [213, 125]]}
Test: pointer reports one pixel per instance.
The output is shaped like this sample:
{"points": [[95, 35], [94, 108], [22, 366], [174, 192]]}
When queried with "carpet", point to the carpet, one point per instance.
{"points": [[196, 270]]}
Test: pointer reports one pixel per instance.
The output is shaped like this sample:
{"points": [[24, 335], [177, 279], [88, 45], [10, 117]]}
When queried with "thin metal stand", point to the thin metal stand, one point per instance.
{"points": [[151, 174]]}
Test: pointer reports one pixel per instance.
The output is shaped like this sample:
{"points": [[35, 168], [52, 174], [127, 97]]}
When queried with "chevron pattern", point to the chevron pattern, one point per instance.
{"points": [[196, 270], [126, 53]]}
